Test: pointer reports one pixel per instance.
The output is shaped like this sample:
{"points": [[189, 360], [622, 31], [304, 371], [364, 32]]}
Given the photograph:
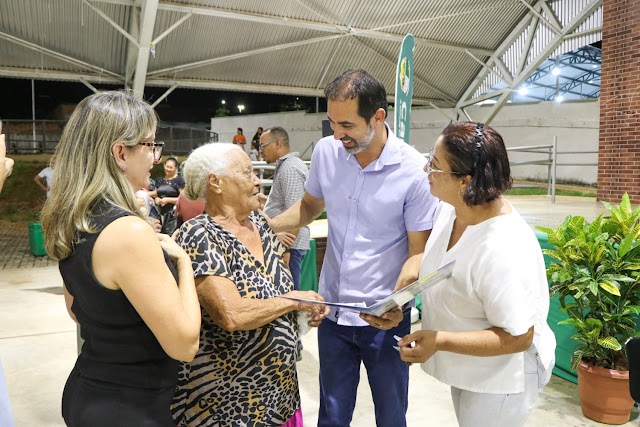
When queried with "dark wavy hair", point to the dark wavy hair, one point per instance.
{"points": [[359, 84], [478, 150]]}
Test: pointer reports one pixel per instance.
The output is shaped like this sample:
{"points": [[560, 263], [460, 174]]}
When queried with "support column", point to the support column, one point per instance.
{"points": [[619, 148]]}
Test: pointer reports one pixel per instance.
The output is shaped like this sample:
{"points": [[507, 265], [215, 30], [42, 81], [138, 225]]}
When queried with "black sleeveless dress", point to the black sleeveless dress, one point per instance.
{"points": [[122, 376]]}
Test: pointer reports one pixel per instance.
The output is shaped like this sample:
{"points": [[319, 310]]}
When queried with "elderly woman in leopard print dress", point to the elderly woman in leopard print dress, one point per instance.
{"points": [[244, 373]]}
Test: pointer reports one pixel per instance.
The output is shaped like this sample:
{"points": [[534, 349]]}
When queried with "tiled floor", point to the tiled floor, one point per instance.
{"points": [[38, 349]]}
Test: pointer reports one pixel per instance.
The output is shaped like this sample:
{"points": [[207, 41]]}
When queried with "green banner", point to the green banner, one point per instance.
{"points": [[404, 89]]}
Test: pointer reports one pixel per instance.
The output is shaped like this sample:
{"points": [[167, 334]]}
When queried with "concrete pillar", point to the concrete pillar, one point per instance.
{"points": [[619, 141]]}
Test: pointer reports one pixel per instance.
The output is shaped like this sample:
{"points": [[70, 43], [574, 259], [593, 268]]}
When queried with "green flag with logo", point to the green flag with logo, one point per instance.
{"points": [[404, 89]]}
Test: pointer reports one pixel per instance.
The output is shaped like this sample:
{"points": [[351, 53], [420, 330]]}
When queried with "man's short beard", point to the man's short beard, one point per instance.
{"points": [[362, 144]]}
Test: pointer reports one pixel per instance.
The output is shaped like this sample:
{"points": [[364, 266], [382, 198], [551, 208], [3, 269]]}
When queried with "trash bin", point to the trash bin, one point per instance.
{"points": [[36, 239]]}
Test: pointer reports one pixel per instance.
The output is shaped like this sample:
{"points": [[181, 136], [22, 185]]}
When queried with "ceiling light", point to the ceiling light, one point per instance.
{"points": [[523, 91], [559, 98], [555, 71]]}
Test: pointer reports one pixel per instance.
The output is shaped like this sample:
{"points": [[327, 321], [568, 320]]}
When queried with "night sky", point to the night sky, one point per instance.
{"points": [[182, 105]]}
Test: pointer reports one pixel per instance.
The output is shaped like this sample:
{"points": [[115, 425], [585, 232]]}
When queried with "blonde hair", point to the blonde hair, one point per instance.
{"points": [[207, 159], [87, 172]]}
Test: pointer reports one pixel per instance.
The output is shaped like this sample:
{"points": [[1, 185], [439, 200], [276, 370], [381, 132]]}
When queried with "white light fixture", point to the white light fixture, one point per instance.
{"points": [[523, 91], [590, 81], [555, 71], [594, 66], [224, 102], [240, 108], [559, 99]]}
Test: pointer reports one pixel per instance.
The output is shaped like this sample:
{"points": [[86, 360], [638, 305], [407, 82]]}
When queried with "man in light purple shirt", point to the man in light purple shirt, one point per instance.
{"points": [[380, 211]]}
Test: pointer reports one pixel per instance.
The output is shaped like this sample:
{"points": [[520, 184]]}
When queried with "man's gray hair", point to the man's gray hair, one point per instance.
{"points": [[278, 132], [212, 158]]}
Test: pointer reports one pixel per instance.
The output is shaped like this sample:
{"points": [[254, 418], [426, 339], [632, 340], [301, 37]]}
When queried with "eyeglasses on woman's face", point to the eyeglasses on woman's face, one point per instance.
{"points": [[429, 168], [158, 146]]}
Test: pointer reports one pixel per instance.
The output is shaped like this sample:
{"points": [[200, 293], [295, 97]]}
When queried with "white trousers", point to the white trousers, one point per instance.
{"points": [[503, 410]]}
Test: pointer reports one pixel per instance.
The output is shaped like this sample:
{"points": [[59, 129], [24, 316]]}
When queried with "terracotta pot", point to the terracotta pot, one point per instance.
{"points": [[604, 394]]}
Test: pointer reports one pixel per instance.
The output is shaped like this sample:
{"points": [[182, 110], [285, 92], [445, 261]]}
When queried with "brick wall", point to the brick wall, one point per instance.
{"points": [[619, 141]]}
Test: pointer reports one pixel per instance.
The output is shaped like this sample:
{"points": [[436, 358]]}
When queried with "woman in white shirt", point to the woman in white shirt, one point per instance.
{"points": [[484, 330]]}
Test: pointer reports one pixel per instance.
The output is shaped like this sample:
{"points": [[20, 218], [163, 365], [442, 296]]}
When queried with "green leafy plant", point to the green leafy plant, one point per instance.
{"points": [[595, 273]]}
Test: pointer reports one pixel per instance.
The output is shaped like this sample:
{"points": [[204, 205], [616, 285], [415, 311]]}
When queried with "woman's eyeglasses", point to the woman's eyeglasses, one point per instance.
{"points": [[158, 146], [431, 169]]}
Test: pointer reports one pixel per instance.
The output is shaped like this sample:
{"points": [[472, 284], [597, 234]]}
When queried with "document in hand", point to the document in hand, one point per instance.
{"points": [[396, 299]]}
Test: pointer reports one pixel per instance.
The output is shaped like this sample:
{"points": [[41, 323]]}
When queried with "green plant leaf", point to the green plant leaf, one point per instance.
{"points": [[610, 343], [610, 287], [625, 245], [576, 357], [625, 204]]}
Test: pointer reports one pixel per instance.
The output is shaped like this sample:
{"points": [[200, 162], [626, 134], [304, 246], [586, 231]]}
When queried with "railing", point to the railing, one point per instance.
{"points": [[550, 159], [42, 136]]}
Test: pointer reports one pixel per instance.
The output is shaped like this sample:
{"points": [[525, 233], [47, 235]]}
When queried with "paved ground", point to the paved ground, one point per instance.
{"points": [[14, 247], [38, 342]]}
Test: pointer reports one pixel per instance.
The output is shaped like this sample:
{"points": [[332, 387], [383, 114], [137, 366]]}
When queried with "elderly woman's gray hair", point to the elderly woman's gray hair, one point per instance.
{"points": [[207, 159]]}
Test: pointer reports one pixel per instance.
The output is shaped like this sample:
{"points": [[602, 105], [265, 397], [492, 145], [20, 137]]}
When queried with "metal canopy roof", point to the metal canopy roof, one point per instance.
{"points": [[464, 48]]}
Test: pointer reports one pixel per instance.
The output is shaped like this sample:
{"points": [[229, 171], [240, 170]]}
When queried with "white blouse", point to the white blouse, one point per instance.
{"points": [[499, 280]]}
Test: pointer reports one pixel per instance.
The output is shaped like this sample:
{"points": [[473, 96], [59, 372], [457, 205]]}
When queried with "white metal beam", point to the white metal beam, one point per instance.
{"points": [[239, 55], [164, 95], [58, 55], [506, 74], [551, 15], [258, 88], [148, 21], [113, 23], [89, 85], [484, 97], [416, 79], [556, 29], [132, 48], [544, 54], [67, 76], [524, 54], [171, 28], [309, 25], [508, 41], [441, 111]]}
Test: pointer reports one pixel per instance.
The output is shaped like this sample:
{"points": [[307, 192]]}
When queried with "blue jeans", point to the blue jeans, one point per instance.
{"points": [[341, 349], [295, 263]]}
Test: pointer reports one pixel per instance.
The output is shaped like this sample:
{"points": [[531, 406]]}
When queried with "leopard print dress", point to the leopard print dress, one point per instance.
{"points": [[239, 378]]}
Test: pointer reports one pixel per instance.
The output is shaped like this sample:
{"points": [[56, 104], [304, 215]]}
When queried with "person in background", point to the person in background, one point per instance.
{"points": [[245, 371], [289, 177], [6, 417], [379, 213], [239, 139], [131, 290], [484, 330], [166, 193], [187, 209], [44, 178], [256, 137], [6, 163]]}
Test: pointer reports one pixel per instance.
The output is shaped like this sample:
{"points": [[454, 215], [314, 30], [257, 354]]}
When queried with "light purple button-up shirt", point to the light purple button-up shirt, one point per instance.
{"points": [[369, 212]]}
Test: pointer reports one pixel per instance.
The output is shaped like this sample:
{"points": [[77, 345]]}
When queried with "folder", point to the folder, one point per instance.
{"points": [[396, 299]]}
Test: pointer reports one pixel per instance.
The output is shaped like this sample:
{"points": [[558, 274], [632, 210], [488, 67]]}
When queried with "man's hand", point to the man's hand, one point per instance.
{"points": [[388, 320], [286, 238]]}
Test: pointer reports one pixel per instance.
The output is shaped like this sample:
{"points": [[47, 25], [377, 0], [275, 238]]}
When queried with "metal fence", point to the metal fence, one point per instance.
{"points": [[42, 136], [549, 159]]}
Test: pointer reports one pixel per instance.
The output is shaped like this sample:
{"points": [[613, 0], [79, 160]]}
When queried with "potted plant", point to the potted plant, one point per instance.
{"points": [[595, 274]]}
